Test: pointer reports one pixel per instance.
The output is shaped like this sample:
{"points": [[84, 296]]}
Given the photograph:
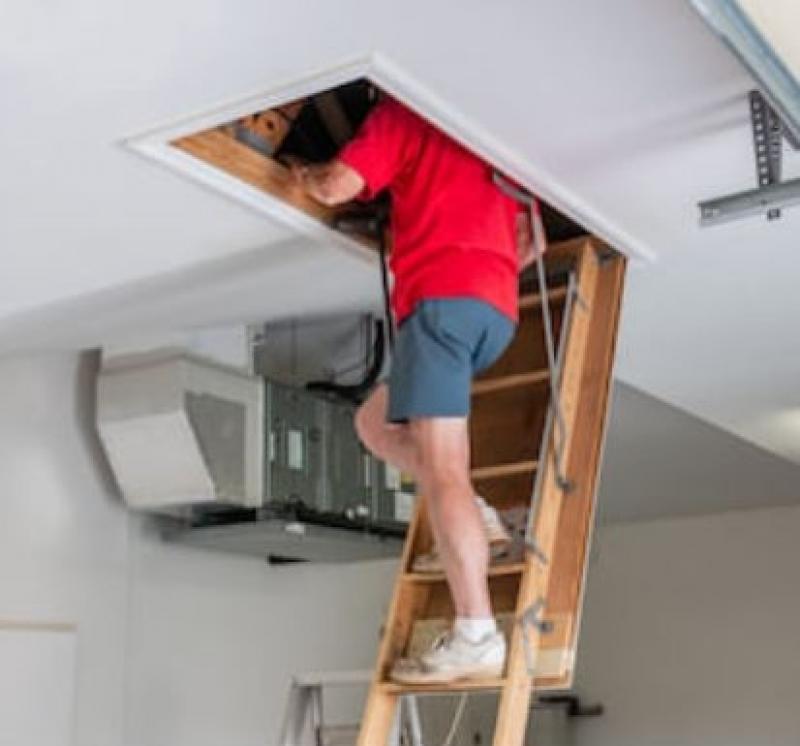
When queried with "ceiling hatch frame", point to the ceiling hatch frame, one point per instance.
{"points": [[157, 145]]}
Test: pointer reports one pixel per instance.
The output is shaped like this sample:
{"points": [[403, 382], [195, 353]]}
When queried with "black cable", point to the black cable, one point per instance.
{"points": [[387, 301], [374, 225], [357, 392]]}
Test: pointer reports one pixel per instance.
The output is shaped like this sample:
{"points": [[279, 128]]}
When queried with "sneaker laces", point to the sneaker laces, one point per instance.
{"points": [[440, 642], [443, 640]]}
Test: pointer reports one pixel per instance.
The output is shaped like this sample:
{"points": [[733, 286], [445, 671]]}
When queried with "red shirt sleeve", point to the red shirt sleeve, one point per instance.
{"points": [[386, 141]]}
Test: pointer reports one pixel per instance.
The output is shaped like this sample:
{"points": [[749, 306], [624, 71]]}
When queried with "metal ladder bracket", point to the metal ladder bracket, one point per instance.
{"points": [[532, 618], [536, 551]]}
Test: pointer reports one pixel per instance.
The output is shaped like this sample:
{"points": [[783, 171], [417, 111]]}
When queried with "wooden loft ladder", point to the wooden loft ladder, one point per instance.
{"points": [[514, 439], [513, 456]]}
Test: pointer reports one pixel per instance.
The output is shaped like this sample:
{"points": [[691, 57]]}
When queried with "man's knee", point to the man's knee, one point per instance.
{"points": [[365, 425], [442, 452], [370, 417], [370, 421], [445, 478]]}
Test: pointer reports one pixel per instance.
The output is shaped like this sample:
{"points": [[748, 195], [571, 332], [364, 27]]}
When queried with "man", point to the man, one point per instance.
{"points": [[458, 246]]}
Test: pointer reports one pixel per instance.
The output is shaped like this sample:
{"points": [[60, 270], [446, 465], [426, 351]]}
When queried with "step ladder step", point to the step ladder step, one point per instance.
{"points": [[495, 571], [488, 385], [503, 470], [454, 687]]}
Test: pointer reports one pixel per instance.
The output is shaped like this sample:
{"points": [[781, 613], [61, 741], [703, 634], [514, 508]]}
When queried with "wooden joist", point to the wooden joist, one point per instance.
{"points": [[220, 149]]}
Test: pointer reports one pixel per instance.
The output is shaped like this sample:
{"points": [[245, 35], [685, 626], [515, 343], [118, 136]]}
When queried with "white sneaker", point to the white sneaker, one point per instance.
{"points": [[495, 529], [453, 657], [496, 533]]}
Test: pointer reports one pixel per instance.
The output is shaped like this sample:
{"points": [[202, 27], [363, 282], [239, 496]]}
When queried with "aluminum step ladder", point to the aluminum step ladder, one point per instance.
{"points": [[304, 722]]}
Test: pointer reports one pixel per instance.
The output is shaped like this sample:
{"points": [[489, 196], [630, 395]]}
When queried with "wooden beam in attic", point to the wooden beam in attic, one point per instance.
{"points": [[271, 126], [220, 149]]}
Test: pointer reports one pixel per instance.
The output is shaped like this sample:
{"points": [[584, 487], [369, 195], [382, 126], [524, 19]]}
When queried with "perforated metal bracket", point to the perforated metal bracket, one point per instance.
{"points": [[768, 145], [772, 194]]}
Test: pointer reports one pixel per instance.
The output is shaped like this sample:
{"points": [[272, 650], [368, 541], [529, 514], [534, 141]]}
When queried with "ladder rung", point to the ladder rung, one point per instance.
{"points": [[495, 571], [534, 300], [466, 685], [504, 470], [488, 385]]}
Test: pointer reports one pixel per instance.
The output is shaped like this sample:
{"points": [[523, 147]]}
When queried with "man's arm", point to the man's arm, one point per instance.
{"points": [[387, 139], [531, 238], [330, 184]]}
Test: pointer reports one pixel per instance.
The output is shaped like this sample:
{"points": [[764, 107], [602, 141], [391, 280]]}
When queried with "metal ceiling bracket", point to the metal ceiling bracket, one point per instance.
{"points": [[768, 144], [753, 202], [772, 194]]}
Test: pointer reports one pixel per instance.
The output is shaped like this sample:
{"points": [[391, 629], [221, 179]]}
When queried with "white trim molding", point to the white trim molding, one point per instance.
{"points": [[392, 78]]}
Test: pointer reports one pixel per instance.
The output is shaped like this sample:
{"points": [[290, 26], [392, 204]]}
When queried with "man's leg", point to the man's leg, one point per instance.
{"points": [[394, 443], [474, 648], [442, 459], [390, 442], [436, 452]]}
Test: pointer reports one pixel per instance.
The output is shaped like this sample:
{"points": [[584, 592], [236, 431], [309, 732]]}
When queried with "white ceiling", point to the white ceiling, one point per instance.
{"points": [[622, 112]]}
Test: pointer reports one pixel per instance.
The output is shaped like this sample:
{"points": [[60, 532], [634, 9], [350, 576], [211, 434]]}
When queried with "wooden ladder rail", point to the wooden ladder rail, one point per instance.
{"points": [[408, 600], [514, 706]]}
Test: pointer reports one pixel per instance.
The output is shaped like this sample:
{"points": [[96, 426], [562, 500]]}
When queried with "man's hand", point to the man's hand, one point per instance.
{"points": [[531, 239], [330, 184]]}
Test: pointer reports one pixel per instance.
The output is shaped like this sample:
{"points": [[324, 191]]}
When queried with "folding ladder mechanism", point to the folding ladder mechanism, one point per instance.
{"points": [[537, 427]]}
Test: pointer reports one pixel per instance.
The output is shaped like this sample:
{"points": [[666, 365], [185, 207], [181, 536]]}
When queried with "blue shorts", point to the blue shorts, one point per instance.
{"points": [[440, 348]]}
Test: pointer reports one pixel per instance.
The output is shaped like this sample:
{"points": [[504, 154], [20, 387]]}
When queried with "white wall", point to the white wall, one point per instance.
{"points": [[63, 538], [690, 636], [216, 639], [175, 646]]}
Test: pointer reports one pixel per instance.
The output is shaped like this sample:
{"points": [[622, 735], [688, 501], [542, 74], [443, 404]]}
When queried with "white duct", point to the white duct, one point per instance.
{"points": [[182, 431]]}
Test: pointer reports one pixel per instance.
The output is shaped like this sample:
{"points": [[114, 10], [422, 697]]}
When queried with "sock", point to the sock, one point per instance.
{"points": [[475, 629]]}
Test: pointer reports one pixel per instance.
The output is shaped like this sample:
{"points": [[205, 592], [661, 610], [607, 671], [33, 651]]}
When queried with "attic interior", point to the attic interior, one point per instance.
{"points": [[312, 130], [199, 548]]}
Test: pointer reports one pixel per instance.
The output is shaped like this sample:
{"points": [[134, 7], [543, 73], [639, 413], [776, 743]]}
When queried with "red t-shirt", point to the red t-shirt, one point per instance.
{"points": [[453, 230]]}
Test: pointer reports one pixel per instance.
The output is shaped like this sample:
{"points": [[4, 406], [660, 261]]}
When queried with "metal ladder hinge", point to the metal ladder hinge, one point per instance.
{"points": [[535, 550], [532, 618]]}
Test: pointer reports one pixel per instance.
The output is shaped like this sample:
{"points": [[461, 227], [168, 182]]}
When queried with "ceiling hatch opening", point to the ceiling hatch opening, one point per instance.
{"points": [[257, 149]]}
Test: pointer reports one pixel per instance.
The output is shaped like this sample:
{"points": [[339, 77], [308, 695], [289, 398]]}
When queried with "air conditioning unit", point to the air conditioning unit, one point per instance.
{"points": [[182, 431]]}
